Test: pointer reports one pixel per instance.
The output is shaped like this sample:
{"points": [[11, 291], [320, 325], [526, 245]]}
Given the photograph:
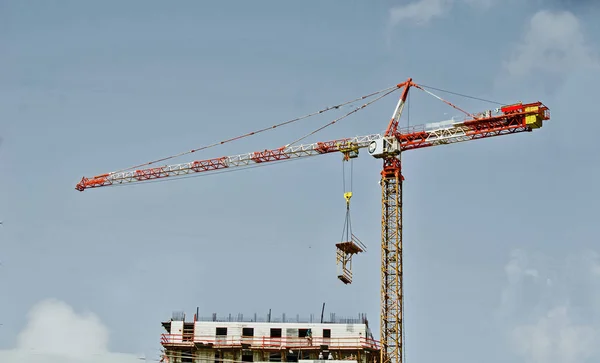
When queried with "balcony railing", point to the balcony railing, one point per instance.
{"points": [[269, 342]]}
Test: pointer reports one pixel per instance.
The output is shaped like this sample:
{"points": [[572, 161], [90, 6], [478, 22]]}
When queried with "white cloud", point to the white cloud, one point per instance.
{"points": [[420, 12], [56, 334], [555, 338], [552, 322], [554, 44]]}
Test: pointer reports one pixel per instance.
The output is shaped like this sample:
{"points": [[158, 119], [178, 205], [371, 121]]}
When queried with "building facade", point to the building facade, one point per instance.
{"points": [[235, 340]]}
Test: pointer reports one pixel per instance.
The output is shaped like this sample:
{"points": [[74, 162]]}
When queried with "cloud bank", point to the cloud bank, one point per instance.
{"points": [[422, 12], [553, 44], [419, 12], [55, 333], [550, 308]]}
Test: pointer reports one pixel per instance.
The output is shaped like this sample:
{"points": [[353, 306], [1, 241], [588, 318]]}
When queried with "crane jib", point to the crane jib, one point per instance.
{"points": [[511, 119]]}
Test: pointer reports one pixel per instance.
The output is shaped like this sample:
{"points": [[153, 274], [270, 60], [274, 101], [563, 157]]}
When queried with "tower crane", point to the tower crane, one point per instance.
{"points": [[387, 146]]}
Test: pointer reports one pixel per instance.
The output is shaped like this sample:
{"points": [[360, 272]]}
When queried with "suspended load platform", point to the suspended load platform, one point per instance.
{"points": [[345, 251]]}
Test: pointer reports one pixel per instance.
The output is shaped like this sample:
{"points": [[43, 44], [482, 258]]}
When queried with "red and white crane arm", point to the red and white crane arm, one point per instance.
{"points": [[241, 160], [506, 120]]}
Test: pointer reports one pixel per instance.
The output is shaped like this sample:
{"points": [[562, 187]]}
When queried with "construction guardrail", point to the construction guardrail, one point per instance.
{"points": [[269, 342]]}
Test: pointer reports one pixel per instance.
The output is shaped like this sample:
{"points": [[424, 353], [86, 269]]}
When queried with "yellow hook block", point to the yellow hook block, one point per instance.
{"points": [[347, 196]]}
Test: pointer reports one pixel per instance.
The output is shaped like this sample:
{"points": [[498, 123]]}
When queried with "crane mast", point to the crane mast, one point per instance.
{"points": [[392, 303], [392, 292], [389, 146]]}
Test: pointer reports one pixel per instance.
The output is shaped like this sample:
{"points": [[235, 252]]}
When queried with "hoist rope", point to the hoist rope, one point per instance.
{"points": [[344, 174], [347, 230], [393, 88], [351, 174]]}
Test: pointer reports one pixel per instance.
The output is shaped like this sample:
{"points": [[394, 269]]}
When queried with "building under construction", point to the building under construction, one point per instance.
{"points": [[234, 339]]}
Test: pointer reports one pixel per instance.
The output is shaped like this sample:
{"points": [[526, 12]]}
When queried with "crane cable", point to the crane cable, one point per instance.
{"points": [[388, 90], [343, 117], [462, 95], [347, 230], [393, 88]]}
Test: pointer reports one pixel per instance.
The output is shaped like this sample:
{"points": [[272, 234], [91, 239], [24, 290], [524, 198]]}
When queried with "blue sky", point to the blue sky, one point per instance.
{"points": [[500, 237]]}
